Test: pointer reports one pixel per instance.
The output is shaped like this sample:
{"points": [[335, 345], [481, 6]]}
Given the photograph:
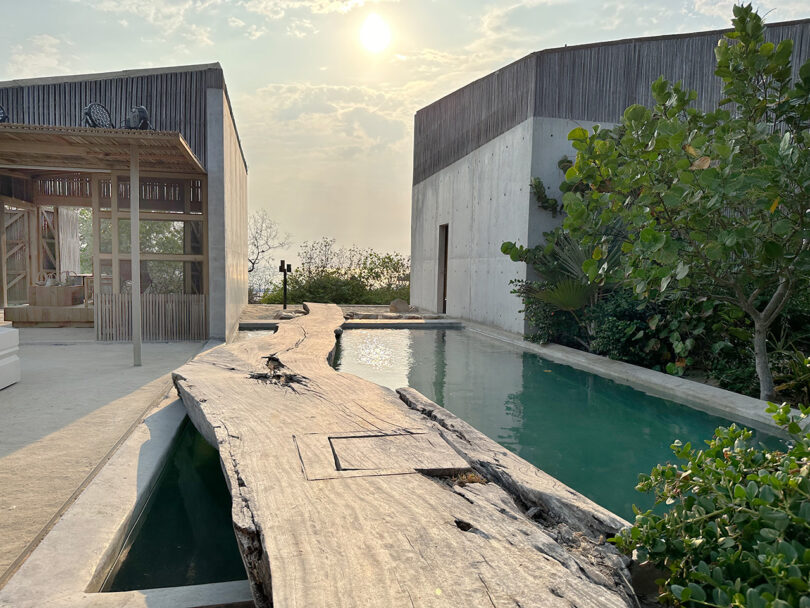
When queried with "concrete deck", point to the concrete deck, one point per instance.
{"points": [[77, 399]]}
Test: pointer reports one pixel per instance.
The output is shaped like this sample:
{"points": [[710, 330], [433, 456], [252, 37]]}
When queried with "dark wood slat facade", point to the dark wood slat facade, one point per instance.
{"points": [[593, 82], [176, 99]]}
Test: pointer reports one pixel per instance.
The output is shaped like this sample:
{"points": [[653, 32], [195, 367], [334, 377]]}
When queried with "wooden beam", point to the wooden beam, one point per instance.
{"points": [[135, 234], [116, 267], [3, 262], [95, 192], [62, 201], [16, 202], [33, 245], [158, 215], [158, 257]]}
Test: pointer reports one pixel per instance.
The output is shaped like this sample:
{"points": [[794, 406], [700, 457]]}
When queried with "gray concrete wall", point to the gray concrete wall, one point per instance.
{"points": [[227, 219], [486, 199], [236, 221]]}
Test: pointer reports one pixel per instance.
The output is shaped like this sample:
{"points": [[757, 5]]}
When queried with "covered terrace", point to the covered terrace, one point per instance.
{"points": [[47, 174]]}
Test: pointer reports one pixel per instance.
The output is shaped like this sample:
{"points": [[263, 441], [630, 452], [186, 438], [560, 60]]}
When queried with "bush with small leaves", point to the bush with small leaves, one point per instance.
{"points": [[737, 532]]}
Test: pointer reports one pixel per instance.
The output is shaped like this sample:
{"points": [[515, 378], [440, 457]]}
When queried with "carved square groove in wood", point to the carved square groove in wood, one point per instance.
{"points": [[353, 454]]}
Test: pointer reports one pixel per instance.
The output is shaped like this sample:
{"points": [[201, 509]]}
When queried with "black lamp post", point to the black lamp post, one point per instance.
{"points": [[285, 269]]}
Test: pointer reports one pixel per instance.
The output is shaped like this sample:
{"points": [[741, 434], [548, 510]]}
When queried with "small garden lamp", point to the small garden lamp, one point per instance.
{"points": [[285, 269]]}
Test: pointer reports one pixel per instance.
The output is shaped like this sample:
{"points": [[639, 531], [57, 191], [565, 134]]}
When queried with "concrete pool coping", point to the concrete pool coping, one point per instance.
{"points": [[266, 324], [72, 561], [704, 397]]}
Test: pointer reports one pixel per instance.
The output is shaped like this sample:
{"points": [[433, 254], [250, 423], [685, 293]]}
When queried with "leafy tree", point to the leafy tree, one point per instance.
{"points": [[264, 236], [714, 202]]}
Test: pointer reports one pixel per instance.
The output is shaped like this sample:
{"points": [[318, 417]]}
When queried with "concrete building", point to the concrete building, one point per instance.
{"points": [[477, 149], [193, 194]]}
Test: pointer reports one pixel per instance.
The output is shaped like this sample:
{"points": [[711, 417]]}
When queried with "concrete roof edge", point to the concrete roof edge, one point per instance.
{"points": [[233, 120], [23, 82]]}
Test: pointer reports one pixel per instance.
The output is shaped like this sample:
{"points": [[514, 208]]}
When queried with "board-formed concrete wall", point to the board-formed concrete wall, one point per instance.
{"points": [[476, 150], [236, 225], [227, 219], [486, 199]]}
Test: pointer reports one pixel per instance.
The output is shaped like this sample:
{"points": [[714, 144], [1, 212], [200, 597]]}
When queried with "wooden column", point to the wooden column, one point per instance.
{"points": [[116, 264], [135, 232], [187, 230], [95, 201], [3, 250]]}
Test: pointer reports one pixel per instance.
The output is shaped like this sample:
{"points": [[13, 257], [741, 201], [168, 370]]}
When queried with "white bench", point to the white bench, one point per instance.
{"points": [[9, 359]]}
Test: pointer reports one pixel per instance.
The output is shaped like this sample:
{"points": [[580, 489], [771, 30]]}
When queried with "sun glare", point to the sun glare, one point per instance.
{"points": [[375, 34]]}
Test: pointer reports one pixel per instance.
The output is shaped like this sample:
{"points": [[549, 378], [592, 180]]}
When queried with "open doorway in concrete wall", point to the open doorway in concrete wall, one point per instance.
{"points": [[442, 291]]}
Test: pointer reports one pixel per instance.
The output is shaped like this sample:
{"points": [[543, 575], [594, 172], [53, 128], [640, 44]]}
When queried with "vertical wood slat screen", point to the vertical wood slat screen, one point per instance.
{"points": [[593, 82], [164, 317], [176, 101]]}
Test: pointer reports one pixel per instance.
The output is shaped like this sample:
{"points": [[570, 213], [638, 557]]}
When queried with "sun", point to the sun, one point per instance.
{"points": [[375, 34]]}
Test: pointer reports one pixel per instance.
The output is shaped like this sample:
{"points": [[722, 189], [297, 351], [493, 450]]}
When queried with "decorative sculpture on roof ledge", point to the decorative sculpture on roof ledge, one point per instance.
{"points": [[96, 115], [138, 119]]}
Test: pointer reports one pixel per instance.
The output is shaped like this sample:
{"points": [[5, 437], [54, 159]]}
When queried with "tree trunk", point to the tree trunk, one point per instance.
{"points": [[766, 386]]}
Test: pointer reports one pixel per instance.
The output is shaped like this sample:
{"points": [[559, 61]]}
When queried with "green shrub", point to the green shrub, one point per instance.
{"points": [[737, 532], [344, 276]]}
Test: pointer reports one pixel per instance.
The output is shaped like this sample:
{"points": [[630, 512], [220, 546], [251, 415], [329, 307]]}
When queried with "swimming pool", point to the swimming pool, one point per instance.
{"points": [[589, 432]]}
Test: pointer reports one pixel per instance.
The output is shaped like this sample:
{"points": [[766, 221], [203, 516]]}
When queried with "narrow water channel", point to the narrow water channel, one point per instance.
{"points": [[184, 536]]}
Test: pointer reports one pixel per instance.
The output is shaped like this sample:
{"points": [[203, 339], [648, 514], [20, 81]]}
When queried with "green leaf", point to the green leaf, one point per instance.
{"points": [[753, 599], [677, 591], [739, 492], [772, 250], [635, 113], [697, 592], [782, 227], [578, 134]]}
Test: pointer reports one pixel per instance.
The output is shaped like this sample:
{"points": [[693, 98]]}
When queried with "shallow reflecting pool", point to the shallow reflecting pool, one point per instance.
{"points": [[589, 432]]}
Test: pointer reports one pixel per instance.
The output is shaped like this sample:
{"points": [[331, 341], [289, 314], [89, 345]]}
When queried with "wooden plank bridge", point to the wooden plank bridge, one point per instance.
{"points": [[348, 494]]}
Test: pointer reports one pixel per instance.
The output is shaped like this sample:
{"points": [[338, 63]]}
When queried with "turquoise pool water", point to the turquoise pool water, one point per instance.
{"points": [[184, 536], [589, 432]]}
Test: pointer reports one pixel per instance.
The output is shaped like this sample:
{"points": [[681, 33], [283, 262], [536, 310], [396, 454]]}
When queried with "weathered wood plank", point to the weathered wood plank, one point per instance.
{"points": [[376, 532]]}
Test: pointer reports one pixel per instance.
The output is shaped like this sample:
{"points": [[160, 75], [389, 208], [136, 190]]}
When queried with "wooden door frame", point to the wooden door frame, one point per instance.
{"points": [[444, 240]]}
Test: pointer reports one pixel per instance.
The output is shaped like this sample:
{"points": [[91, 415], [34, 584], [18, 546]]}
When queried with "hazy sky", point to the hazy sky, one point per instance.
{"points": [[326, 123]]}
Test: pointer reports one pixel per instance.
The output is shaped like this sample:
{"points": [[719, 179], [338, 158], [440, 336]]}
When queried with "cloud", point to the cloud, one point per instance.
{"points": [[252, 31], [198, 34], [301, 28], [276, 9], [41, 55], [168, 16], [772, 11]]}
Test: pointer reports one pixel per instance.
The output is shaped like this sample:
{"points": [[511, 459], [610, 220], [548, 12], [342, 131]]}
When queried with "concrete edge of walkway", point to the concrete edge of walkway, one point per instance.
{"points": [[163, 385], [72, 561]]}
